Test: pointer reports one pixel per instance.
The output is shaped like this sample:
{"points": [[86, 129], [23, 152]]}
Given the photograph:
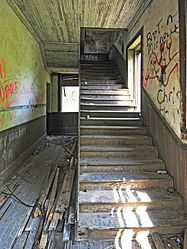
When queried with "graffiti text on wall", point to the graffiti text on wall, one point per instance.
{"points": [[9, 91], [163, 30], [163, 65]]}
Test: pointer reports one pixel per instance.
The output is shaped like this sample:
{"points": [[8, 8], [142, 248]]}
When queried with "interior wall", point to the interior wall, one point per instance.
{"points": [[160, 72], [171, 150], [22, 75], [22, 85], [161, 95]]}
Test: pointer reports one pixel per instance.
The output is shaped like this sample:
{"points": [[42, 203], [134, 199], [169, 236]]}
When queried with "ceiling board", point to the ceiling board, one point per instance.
{"points": [[60, 20]]}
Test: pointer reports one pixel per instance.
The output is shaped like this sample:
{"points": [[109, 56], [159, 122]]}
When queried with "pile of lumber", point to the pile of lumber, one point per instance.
{"points": [[56, 211], [35, 203], [54, 202]]}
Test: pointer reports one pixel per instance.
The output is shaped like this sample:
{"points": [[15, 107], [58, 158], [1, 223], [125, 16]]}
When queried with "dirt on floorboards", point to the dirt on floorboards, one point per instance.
{"points": [[38, 204]]}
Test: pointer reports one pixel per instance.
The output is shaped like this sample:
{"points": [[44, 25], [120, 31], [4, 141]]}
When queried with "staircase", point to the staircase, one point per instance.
{"points": [[124, 191]]}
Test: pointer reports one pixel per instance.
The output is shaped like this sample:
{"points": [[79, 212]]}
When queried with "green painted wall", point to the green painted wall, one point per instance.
{"points": [[22, 75]]}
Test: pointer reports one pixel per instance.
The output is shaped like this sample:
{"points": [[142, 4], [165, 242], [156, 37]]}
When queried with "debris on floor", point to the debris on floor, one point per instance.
{"points": [[35, 202], [38, 204]]}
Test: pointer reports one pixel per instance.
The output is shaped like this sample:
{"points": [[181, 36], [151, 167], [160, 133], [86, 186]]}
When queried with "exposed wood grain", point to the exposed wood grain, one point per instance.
{"points": [[24, 222], [171, 149], [45, 190], [63, 199], [61, 20], [158, 241], [20, 242], [53, 192], [32, 232], [185, 239]]}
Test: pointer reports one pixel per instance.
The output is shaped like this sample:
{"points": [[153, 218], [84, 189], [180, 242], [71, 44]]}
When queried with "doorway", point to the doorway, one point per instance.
{"points": [[134, 53]]}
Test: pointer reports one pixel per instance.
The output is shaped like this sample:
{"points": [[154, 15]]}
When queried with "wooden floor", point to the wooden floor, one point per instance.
{"points": [[29, 202], [38, 204]]}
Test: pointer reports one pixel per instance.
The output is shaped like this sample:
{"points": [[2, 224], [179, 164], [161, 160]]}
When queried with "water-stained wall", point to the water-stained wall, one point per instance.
{"points": [[160, 71], [22, 75], [22, 90]]}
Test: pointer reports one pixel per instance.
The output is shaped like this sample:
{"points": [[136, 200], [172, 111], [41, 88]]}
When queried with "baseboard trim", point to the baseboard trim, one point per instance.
{"points": [[10, 170]]}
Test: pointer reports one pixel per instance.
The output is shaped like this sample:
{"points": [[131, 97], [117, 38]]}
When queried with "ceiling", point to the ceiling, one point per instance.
{"points": [[58, 21]]}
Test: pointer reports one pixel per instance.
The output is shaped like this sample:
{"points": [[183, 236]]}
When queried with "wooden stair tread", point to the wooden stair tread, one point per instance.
{"points": [[126, 219], [106, 104], [112, 119], [124, 177], [119, 161], [127, 137], [112, 127], [105, 93], [127, 196], [130, 113], [129, 147]]}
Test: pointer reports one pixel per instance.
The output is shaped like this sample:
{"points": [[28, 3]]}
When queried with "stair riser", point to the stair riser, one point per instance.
{"points": [[105, 97], [105, 102], [105, 92], [98, 66], [111, 122], [109, 73], [95, 87], [114, 141], [120, 168], [105, 81], [153, 183], [109, 114], [110, 234], [118, 132], [107, 207], [100, 77], [115, 95], [108, 154], [112, 108]]}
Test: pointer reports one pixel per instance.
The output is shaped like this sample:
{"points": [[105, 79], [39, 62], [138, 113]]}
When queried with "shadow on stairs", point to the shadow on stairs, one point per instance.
{"points": [[125, 194]]}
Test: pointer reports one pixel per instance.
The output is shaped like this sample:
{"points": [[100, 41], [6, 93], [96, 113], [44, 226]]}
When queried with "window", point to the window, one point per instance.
{"points": [[70, 99]]}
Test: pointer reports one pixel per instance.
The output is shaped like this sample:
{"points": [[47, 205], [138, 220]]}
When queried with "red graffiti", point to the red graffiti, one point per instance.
{"points": [[1, 123], [11, 102], [157, 68], [2, 69], [9, 90]]}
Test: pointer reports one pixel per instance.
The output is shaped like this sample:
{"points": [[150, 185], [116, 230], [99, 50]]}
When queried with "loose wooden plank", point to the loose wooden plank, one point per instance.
{"points": [[44, 236], [45, 190], [64, 198], [185, 239], [53, 192], [20, 242], [32, 229], [43, 241], [158, 241]]}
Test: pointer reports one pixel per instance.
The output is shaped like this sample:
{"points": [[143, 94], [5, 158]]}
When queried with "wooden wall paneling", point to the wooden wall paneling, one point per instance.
{"points": [[171, 149]]}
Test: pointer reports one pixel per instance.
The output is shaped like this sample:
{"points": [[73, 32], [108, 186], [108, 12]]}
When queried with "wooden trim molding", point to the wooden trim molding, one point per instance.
{"points": [[182, 60]]}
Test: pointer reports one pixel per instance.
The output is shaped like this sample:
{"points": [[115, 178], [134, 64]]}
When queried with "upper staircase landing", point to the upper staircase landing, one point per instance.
{"points": [[124, 190]]}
